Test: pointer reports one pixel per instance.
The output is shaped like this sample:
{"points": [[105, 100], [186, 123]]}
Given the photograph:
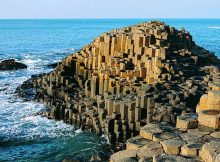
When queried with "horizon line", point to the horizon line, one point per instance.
{"points": [[96, 18]]}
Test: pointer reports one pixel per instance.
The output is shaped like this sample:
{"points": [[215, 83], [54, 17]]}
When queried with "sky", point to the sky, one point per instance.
{"points": [[55, 9]]}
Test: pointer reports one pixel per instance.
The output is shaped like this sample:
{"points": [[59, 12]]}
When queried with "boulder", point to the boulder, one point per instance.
{"points": [[11, 64], [66, 160]]}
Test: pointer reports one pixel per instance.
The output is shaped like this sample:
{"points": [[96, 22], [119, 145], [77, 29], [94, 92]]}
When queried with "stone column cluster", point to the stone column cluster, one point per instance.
{"points": [[208, 108], [127, 78], [196, 137]]}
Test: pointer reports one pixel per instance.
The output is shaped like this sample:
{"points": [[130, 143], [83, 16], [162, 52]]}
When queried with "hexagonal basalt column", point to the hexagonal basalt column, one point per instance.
{"points": [[172, 146], [210, 101], [210, 151], [136, 142], [149, 130], [187, 121], [210, 118]]}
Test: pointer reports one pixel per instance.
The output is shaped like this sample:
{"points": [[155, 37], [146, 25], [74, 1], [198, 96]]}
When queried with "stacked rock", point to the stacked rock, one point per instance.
{"points": [[196, 137], [209, 108], [128, 78], [187, 142]]}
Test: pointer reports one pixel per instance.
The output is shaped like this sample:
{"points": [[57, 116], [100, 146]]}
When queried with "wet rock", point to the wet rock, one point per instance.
{"points": [[11, 64], [66, 160], [27, 90], [54, 65], [95, 158]]}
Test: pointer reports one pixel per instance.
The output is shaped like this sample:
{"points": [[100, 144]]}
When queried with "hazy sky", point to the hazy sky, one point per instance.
{"points": [[109, 8]]}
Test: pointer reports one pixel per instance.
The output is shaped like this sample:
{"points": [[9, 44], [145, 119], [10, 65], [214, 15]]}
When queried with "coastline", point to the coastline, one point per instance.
{"points": [[94, 115]]}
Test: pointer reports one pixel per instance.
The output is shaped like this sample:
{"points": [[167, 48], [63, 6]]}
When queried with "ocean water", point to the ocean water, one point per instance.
{"points": [[25, 136]]}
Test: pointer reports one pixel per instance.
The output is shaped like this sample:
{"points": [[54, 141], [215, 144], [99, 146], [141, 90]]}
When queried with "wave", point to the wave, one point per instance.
{"points": [[18, 119], [31, 61], [214, 27], [72, 49], [35, 127], [78, 131]]}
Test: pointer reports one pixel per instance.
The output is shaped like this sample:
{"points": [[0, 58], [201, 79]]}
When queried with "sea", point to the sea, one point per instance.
{"points": [[28, 137]]}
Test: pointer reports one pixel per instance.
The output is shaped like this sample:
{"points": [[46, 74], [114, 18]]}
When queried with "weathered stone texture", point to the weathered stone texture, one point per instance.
{"points": [[138, 80], [210, 152]]}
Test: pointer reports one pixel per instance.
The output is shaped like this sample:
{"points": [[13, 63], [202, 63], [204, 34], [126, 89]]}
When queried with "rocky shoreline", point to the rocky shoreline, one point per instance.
{"points": [[144, 86], [11, 64]]}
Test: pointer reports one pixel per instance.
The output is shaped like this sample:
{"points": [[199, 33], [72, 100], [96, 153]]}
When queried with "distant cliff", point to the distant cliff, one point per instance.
{"points": [[126, 79]]}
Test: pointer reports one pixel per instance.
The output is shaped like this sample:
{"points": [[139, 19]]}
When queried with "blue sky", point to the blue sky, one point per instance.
{"points": [[109, 9]]}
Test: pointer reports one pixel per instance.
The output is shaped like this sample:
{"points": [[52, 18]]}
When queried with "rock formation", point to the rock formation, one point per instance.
{"points": [[53, 65], [11, 64], [139, 81], [195, 138]]}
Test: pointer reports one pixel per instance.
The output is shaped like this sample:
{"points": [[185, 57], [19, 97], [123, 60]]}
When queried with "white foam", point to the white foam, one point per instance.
{"points": [[72, 49], [18, 121], [34, 63], [214, 27], [78, 131], [17, 118], [105, 137]]}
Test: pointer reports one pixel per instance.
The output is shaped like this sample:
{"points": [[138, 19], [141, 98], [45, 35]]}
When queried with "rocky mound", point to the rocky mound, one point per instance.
{"points": [[128, 78], [11, 64], [195, 138]]}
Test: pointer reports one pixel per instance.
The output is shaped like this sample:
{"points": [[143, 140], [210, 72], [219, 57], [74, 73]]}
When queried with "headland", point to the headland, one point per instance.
{"points": [[148, 87]]}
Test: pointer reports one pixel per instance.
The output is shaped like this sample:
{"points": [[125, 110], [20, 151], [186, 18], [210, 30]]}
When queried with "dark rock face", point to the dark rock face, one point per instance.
{"points": [[11, 64], [54, 65], [27, 90], [126, 79]]}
